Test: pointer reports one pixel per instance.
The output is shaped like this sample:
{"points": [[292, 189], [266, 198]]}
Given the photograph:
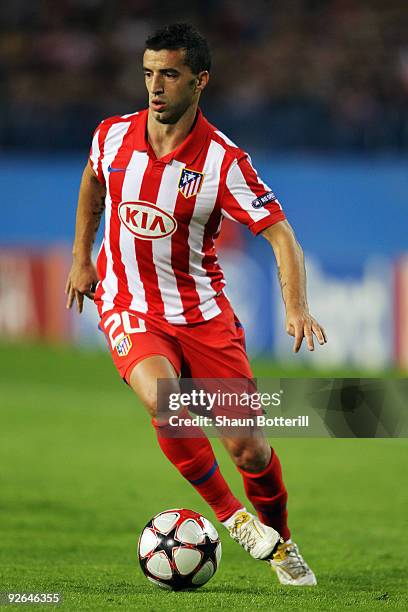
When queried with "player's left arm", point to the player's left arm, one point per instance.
{"points": [[292, 278], [248, 200]]}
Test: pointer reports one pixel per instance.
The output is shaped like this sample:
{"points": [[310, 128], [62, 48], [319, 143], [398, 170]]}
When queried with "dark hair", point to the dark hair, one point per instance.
{"points": [[183, 36]]}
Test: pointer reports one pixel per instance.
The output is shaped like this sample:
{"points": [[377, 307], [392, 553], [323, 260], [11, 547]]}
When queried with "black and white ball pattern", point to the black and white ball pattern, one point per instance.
{"points": [[179, 549]]}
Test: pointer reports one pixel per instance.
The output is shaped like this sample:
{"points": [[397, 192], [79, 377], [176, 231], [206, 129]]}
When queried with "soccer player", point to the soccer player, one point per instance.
{"points": [[166, 178]]}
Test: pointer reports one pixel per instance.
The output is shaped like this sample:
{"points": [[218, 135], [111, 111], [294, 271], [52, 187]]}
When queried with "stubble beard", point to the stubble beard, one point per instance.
{"points": [[169, 118], [172, 116]]}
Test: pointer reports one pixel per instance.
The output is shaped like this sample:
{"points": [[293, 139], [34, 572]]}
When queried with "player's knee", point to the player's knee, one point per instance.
{"points": [[251, 457], [150, 403], [149, 397], [151, 376]]}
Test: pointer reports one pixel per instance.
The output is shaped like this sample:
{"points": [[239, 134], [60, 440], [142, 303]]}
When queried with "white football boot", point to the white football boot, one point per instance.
{"points": [[290, 566], [258, 539]]}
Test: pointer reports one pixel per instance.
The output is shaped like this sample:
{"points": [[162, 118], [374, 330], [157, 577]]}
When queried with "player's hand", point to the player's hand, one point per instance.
{"points": [[300, 324], [82, 280]]}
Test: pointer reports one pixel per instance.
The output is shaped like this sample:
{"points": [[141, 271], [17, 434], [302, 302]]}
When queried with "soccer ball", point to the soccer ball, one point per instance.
{"points": [[179, 549]]}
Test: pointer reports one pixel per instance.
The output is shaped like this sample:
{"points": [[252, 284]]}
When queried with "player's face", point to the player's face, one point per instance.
{"points": [[172, 87]]}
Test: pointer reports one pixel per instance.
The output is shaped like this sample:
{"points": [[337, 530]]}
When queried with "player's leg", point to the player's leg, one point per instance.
{"points": [[262, 475], [144, 352], [217, 350], [261, 471], [193, 457]]}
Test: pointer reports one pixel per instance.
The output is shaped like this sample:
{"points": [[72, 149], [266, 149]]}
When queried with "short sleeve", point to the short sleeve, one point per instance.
{"points": [[248, 200], [95, 154]]}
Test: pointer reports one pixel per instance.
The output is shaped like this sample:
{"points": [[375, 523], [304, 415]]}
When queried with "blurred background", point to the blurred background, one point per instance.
{"points": [[315, 90]]}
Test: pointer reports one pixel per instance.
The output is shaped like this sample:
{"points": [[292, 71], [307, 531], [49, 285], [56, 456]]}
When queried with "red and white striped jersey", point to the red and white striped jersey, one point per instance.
{"points": [[162, 215]]}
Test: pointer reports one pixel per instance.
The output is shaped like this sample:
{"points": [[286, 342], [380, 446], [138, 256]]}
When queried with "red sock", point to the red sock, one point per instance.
{"points": [[267, 493], [195, 460]]}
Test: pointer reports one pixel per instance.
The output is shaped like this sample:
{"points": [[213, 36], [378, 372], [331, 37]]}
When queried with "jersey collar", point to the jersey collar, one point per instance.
{"points": [[186, 152]]}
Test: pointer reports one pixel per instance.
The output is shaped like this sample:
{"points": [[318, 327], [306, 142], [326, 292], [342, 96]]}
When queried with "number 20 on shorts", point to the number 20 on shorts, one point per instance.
{"points": [[122, 321]]}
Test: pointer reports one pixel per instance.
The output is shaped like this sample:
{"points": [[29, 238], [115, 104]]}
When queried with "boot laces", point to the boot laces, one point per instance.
{"points": [[243, 534], [290, 559]]}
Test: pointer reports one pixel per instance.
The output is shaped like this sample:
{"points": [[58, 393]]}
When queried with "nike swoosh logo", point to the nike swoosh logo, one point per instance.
{"points": [[110, 169]]}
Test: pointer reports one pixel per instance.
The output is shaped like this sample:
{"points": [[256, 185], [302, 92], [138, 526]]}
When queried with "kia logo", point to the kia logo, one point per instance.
{"points": [[146, 221]]}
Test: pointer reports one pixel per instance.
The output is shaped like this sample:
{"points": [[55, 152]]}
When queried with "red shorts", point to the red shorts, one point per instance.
{"points": [[213, 349]]}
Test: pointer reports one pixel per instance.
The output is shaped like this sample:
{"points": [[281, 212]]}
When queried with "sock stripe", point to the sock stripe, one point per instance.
{"points": [[206, 476]]}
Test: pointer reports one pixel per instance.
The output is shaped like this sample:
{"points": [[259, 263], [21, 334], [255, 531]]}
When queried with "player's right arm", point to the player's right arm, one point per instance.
{"points": [[82, 277]]}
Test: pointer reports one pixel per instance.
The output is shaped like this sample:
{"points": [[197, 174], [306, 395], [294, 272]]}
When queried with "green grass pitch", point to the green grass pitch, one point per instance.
{"points": [[81, 473]]}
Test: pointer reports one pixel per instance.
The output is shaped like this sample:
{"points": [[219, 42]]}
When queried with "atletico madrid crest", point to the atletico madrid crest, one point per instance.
{"points": [[123, 347], [190, 182]]}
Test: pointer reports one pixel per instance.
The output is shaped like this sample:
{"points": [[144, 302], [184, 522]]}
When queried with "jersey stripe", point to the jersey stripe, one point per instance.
{"points": [[162, 249], [129, 115], [205, 203], [250, 171], [130, 192], [241, 196], [102, 135], [101, 270], [180, 259], [225, 138], [211, 231], [110, 283], [95, 151], [251, 175], [144, 248], [116, 180]]}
